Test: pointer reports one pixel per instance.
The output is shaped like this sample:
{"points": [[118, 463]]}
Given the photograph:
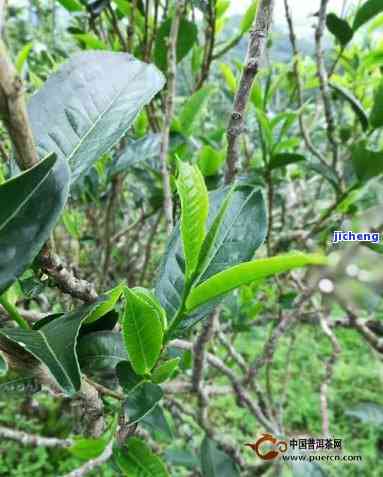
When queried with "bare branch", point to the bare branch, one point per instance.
{"points": [[323, 81], [169, 105], [13, 112], [53, 266], [257, 43], [293, 40], [33, 439]]}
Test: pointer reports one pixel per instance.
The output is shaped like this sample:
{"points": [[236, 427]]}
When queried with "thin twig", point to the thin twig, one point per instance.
{"points": [[257, 44], [293, 40], [323, 81], [33, 439], [169, 104], [13, 112]]}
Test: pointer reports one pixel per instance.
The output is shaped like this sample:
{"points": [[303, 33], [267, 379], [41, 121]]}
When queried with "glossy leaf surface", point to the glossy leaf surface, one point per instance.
{"points": [[142, 400], [247, 272], [194, 212], [137, 460], [31, 204], [54, 344], [89, 104], [142, 331]]}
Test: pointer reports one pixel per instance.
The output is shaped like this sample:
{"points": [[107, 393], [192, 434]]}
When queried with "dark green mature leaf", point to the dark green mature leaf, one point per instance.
{"points": [[367, 164], [137, 460], [105, 323], [89, 104], [216, 463], [142, 400], [284, 159], [127, 378], [354, 103], [54, 344], [156, 421], [368, 412], [35, 200], [101, 350], [241, 232], [376, 117], [187, 37], [366, 12], [142, 331], [194, 212], [136, 152], [183, 458], [248, 272], [339, 28]]}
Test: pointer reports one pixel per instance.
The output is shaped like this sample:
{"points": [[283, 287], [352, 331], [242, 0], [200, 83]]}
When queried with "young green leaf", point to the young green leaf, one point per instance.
{"points": [[142, 331], [247, 272], [194, 212], [22, 57], [24, 224], [127, 378], [249, 17], [237, 227], [339, 28], [137, 460], [91, 448], [366, 12], [149, 297], [192, 109], [141, 400], [111, 298], [229, 77], [376, 117], [210, 160], [165, 370]]}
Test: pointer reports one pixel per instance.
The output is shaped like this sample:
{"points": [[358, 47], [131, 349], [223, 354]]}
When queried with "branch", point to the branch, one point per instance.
{"points": [[13, 112], [209, 45], [170, 94], [33, 439], [293, 40], [93, 463], [323, 81], [53, 266], [257, 43], [329, 368]]}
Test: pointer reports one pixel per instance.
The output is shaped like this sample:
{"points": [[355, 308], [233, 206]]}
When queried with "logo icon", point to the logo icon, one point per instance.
{"points": [[278, 447]]}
